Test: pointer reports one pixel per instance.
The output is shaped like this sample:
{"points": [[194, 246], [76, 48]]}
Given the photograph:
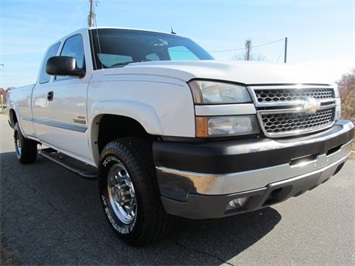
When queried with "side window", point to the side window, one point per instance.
{"points": [[73, 47], [52, 51]]}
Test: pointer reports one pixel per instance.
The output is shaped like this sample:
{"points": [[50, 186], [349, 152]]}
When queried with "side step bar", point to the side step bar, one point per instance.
{"points": [[84, 170]]}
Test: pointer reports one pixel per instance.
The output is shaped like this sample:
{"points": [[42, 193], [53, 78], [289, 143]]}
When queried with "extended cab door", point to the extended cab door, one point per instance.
{"points": [[59, 105]]}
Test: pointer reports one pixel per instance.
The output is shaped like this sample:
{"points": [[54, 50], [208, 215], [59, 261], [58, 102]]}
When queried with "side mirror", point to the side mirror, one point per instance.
{"points": [[64, 66]]}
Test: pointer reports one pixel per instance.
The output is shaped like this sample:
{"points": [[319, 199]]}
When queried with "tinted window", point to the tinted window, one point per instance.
{"points": [[181, 53], [52, 51], [118, 47], [111, 60]]}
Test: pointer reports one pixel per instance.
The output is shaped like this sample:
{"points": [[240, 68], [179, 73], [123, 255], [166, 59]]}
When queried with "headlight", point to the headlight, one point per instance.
{"points": [[209, 92], [226, 126]]}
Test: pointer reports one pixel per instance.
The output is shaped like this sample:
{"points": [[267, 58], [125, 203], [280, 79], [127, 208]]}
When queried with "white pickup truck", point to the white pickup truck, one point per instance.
{"points": [[170, 131]]}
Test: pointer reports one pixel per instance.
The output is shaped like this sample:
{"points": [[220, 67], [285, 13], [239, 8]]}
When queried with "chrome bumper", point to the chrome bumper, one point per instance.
{"points": [[211, 184], [199, 206], [306, 163]]}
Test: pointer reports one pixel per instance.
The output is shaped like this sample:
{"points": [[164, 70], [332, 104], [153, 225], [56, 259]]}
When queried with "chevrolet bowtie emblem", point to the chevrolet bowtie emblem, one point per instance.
{"points": [[311, 106]]}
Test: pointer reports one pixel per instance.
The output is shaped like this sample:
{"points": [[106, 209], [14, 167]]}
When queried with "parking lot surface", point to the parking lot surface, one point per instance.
{"points": [[51, 216]]}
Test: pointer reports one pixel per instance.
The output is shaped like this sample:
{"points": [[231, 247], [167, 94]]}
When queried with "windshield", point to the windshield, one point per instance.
{"points": [[119, 47]]}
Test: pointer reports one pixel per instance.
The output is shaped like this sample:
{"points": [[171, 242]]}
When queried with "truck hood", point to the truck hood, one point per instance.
{"points": [[249, 73]]}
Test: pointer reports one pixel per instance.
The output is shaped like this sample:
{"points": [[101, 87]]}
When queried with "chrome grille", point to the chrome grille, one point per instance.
{"points": [[290, 123], [288, 110], [290, 95]]}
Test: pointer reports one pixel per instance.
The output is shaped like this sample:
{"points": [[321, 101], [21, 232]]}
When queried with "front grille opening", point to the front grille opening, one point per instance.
{"points": [[333, 150], [291, 95], [326, 104], [303, 160], [282, 109], [284, 123]]}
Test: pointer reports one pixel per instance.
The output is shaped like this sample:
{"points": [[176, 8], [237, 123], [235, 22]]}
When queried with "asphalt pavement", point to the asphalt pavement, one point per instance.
{"points": [[51, 216]]}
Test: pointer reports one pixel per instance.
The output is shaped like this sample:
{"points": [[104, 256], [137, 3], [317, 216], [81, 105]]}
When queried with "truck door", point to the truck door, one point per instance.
{"points": [[59, 106]]}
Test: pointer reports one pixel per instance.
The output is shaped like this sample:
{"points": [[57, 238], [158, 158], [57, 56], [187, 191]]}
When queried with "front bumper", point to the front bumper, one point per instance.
{"points": [[199, 180]]}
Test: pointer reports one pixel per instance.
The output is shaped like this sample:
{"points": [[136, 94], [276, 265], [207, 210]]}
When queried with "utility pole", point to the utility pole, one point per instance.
{"points": [[285, 57], [248, 48], [91, 17]]}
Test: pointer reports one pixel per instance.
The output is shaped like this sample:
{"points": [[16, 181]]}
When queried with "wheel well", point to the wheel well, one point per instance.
{"points": [[112, 127], [13, 117]]}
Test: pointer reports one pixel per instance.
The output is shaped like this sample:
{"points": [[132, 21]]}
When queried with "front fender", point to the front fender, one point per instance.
{"points": [[141, 112]]}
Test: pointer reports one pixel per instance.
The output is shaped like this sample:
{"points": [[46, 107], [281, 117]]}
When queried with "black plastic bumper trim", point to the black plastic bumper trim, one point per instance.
{"points": [[249, 154]]}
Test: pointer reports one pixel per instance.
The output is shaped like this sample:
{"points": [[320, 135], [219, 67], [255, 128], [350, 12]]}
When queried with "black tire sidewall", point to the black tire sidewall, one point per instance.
{"points": [[28, 147], [113, 153], [151, 219]]}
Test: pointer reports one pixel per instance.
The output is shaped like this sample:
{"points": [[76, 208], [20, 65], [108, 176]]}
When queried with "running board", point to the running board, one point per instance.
{"points": [[78, 167]]}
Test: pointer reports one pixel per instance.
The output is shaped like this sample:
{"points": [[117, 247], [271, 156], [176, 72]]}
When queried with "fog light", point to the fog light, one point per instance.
{"points": [[236, 203]]}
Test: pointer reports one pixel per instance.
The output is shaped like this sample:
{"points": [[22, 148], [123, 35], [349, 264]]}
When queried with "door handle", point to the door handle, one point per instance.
{"points": [[50, 96]]}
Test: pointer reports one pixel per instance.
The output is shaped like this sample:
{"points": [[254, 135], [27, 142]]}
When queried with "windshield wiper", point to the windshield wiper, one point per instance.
{"points": [[121, 64], [126, 63]]}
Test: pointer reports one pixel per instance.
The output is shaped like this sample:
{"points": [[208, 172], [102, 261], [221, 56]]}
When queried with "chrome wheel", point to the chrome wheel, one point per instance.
{"points": [[129, 191], [18, 144], [121, 193]]}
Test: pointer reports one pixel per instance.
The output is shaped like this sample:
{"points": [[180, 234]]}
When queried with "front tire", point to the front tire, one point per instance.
{"points": [[26, 149], [129, 191]]}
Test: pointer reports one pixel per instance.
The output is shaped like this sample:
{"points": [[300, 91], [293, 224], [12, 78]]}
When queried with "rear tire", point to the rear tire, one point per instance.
{"points": [[129, 191], [26, 149]]}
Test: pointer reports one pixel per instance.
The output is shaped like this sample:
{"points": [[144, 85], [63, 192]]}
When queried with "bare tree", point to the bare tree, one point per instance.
{"points": [[347, 95], [248, 55]]}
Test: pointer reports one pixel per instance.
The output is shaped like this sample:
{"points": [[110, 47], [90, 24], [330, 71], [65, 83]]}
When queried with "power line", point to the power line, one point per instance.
{"points": [[282, 52], [240, 49], [267, 43], [222, 51]]}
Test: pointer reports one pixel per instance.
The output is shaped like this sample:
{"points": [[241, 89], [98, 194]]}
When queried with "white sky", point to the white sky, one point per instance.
{"points": [[320, 33]]}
